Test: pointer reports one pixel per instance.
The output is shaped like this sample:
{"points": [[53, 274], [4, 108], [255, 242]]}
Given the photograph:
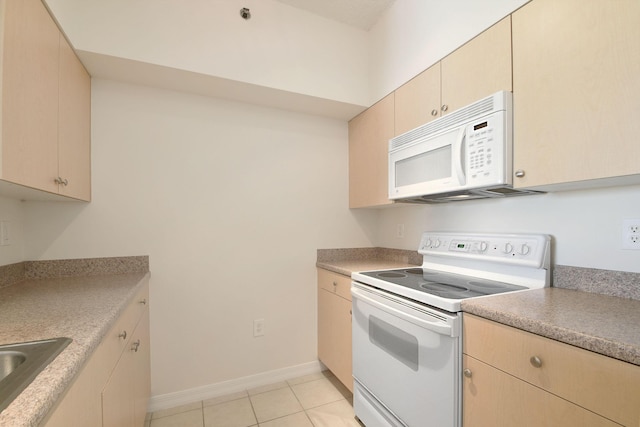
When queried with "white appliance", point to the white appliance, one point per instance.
{"points": [[406, 329], [464, 155]]}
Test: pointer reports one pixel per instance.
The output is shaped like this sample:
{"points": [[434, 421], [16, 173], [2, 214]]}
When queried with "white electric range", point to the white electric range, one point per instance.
{"points": [[407, 348]]}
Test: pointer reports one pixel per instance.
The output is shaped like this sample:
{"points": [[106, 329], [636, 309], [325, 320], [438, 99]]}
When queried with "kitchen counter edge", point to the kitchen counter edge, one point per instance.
{"points": [[603, 324]]}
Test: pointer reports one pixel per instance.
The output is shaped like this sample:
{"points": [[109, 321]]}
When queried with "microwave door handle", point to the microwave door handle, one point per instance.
{"points": [[459, 156]]}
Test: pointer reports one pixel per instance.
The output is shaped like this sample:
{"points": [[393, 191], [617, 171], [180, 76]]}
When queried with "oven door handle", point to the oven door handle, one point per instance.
{"points": [[437, 325]]}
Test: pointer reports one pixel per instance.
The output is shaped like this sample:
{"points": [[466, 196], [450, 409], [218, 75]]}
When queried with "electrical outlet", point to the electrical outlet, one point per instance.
{"points": [[631, 234], [258, 327]]}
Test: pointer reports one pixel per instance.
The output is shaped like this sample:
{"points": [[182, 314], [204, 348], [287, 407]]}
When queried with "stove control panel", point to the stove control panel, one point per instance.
{"points": [[515, 249]]}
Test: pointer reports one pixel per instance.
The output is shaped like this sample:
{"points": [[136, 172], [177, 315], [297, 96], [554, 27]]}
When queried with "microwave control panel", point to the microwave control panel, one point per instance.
{"points": [[485, 151]]}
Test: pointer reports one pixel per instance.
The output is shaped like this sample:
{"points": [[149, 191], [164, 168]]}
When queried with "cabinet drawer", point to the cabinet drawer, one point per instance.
{"points": [[494, 398], [601, 384], [334, 282]]}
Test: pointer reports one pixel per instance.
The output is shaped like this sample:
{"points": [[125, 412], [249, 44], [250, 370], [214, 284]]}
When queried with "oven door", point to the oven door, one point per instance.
{"points": [[406, 361]]}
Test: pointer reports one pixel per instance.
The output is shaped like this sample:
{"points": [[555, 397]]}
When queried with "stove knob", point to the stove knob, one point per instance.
{"points": [[428, 243], [508, 247], [524, 249], [483, 246], [437, 243]]}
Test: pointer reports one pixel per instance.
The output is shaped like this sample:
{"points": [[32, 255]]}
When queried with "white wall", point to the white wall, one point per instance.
{"points": [[12, 211], [280, 47], [414, 34], [230, 201], [586, 225]]}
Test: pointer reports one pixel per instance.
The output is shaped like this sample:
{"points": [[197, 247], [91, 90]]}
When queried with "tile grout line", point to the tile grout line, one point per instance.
{"points": [[255, 415], [298, 399]]}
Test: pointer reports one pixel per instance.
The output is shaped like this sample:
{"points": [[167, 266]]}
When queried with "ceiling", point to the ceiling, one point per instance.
{"points": [[357, 13]]}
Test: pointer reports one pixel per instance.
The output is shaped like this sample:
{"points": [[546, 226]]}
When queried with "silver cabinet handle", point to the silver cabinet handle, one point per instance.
{"points": [[135, 346], [123, 335], [444, 107], [434, 112], [61, 181], [535, 361], [519, 173], [467, 373]]}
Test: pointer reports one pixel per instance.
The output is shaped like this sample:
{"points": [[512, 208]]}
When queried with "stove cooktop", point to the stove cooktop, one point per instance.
{"points": [[445, 285], [457, 266]]}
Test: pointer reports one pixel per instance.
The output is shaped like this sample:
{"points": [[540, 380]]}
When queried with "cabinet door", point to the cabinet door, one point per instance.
{"points": [[479, 68], [74, 133], [118, 395], [126, 395], [418, 101], [326, 352], [342, 341], [30, 95], [142, 363], [334, 335], [494, 398], [576, 90], [369, 135]]}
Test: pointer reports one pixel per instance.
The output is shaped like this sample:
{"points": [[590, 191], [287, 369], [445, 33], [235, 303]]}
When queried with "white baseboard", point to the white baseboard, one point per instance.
{"points": [[171, 400]]}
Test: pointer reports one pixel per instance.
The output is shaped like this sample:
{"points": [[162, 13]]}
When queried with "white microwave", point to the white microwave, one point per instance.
{"points": [[464, 155]]}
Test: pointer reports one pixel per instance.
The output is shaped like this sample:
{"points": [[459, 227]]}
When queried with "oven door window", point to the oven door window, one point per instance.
{"points": [[397, 343]]}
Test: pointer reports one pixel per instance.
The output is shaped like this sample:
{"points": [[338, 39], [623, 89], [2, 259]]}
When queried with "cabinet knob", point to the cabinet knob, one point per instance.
{"points": [[467, 373], [61, 181], [535, 361], [143, 301], [519, 173], [434, 112], [123, 335], [135, 346], [444, 107]]}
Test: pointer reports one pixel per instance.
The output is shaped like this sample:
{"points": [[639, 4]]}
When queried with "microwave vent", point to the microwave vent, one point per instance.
{"points": [[484, 106]]}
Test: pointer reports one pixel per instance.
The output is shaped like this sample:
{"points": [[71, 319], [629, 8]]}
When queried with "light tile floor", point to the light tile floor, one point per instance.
{"points": [[317, 400]]}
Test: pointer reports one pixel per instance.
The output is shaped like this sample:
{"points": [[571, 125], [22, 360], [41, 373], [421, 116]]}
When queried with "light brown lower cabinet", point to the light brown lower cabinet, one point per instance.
{"points": [[126, 395], [494, 398], [334, 324], [516, 378], [113, 388]]}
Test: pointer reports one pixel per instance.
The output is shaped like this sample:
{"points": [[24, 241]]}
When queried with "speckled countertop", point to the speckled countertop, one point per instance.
{"points": [[347, 261], [82, 308], [603, 324]]}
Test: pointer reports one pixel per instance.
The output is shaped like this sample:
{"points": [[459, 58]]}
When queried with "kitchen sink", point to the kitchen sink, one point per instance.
{"points": [[20, 363]]}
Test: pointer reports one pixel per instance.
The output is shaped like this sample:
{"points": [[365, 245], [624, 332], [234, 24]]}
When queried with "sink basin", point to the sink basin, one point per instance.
{"points": [[20, 363], [9, 361]]}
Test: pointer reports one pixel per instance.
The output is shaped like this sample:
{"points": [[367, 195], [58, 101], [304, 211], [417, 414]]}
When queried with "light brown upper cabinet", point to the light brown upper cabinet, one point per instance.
{"points": [[46, 104], [576, 68], [369, 134], [418, 100], [74, 120], [477, 69]]}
